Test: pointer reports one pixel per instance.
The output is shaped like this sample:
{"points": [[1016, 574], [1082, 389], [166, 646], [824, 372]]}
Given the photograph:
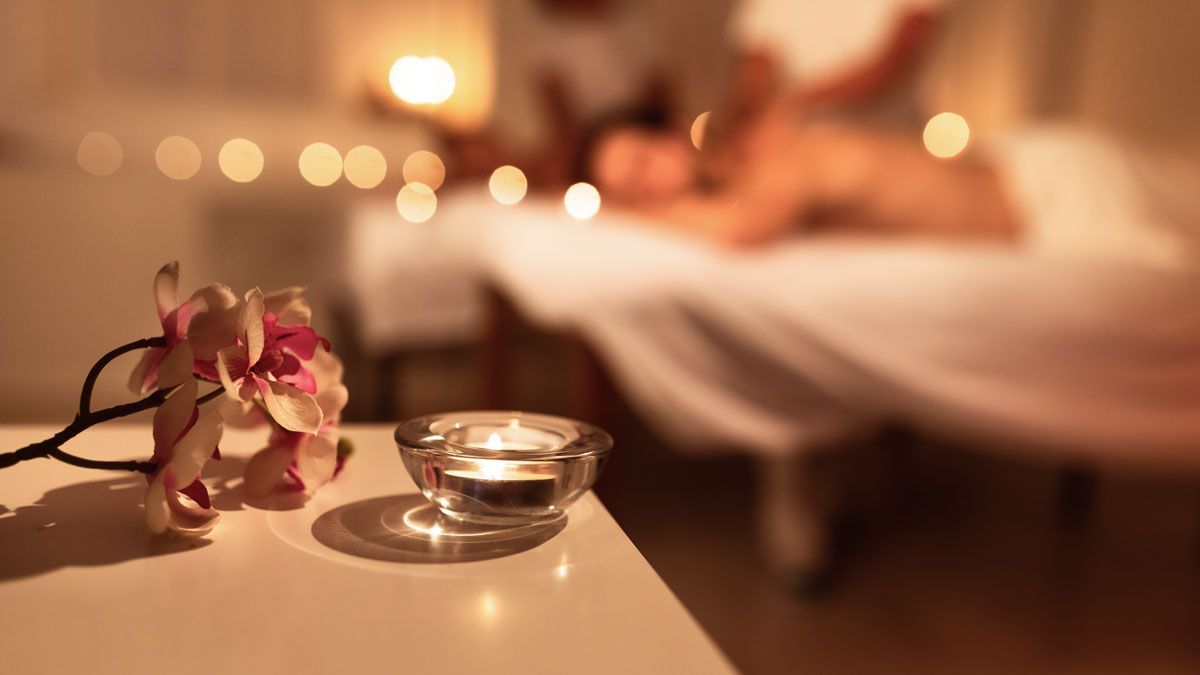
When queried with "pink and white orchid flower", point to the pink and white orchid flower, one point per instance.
{"points": [[290, 305], [271, 368], [267, 362], [175, 499], [308, 460], [208, 319]]}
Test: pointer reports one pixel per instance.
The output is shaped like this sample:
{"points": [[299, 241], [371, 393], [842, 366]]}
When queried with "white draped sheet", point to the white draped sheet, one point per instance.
{"points": [[786, 349]]}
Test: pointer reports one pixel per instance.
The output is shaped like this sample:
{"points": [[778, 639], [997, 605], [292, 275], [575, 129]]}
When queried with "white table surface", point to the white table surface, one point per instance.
{"points": [[83, 587]]}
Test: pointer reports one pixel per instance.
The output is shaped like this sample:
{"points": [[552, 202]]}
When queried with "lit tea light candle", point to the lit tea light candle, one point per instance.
{"points": [[511, 436], [499, 467], [499, 483], [495, 442]]}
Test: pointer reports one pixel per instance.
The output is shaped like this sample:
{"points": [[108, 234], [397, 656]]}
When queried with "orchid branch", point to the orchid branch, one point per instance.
{"points": [[87, 419], [89, 382], [271, 327], [212, 395]]}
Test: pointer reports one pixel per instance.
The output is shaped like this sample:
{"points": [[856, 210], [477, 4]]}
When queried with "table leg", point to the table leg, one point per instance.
{"points": [[793, 525]]}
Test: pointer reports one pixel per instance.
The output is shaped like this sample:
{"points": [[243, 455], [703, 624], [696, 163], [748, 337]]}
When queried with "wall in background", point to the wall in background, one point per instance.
{"points": [[1126, 66], [79, 251]]}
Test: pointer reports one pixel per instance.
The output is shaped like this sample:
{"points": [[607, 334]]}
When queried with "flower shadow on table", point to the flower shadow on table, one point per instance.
{"points": [[228, 492], [408, 529], [88, 524]]}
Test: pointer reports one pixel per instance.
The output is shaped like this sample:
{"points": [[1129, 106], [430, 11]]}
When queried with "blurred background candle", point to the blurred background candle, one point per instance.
{"points": [[435, 59]]}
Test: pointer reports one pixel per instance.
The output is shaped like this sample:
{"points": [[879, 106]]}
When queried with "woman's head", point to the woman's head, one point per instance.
{"points": [[637, 158]]}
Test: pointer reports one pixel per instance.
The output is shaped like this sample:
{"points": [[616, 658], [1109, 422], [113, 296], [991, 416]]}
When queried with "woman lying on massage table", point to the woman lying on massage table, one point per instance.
{"points": [[827, 177], [1041, 299]]}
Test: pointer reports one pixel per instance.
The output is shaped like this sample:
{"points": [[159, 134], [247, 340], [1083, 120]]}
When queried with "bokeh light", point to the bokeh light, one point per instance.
{"points": [[365, 167], [442, 80], [240, 160], [99, 153], [582, 201], [418, 81], [946, 135], [424, 167], [417, 202], [177, 157], [508, 185], [699, 128], [320, 164]]}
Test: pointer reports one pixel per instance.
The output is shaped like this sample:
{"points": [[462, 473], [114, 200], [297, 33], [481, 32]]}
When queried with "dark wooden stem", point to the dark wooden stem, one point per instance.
{"points": [[89, 382], [87, 419]]}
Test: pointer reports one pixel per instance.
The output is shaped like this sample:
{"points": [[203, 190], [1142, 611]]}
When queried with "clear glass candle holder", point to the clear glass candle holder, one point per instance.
{"points": [[500, 467]]}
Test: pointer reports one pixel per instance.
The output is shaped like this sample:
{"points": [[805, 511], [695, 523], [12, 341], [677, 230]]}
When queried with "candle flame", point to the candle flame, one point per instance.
{"points": [[494, 442], [493, 470]]}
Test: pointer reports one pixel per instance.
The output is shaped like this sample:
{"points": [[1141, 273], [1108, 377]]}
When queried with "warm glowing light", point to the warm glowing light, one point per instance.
{"points": [[488, 606], [582, 201], [493, 470], [562, 571], [424, 167], [699, 128], [99, 153], [320, 164], [508, 185], [407, 78], [494, 442], [416, 202], [442, 77], [177, 157], [365, 167], [240, 160], [946, 135], [422, 81]]}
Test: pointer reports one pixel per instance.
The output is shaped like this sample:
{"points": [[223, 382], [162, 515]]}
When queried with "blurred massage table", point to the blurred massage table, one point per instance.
{"points": [[795, 348]]}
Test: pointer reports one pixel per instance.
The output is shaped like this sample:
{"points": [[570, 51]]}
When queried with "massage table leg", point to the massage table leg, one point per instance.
{"points": [[793, 525]]}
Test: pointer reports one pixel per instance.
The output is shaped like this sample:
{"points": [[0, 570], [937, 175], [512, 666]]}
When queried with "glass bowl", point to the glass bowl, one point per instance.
{"points": [[501, 467]]}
